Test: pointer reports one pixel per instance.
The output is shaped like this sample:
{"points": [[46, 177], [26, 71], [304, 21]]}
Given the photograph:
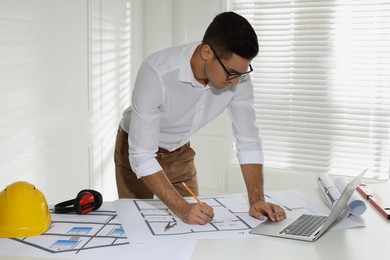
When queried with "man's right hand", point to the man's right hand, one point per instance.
{"points": [[196, 213], [190, 213]]}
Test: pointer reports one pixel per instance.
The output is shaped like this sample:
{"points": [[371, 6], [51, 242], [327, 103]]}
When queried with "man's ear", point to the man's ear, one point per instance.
{"points": [[206, 52]]}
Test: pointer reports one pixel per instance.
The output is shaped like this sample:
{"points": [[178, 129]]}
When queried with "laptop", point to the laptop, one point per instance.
{"points": [[308, 227]]}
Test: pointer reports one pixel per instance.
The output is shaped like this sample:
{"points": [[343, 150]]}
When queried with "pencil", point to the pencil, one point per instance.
{"points": [[190, 191]]}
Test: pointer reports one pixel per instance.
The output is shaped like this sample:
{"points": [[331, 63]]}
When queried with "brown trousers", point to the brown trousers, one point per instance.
{"points": [[178, 165]]}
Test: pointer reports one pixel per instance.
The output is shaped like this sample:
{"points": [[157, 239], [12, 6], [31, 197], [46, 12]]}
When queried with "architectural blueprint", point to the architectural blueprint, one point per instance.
{"points": [[147, 221], [71, 235], [97, 235]]}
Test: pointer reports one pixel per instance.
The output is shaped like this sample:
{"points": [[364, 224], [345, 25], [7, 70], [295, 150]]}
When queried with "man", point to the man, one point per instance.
{"points": [[178, 91]]}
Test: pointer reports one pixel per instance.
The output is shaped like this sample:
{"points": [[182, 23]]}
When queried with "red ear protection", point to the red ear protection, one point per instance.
{"points": [[85, 202]]}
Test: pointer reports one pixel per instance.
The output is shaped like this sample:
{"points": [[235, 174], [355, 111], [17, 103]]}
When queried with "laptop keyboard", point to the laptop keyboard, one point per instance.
{"points": [[305, 225]]}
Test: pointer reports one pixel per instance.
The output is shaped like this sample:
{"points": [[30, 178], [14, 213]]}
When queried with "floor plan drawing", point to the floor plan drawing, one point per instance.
{"points": [[151, 220], [97, 235], [158, 219], [74, 233]]}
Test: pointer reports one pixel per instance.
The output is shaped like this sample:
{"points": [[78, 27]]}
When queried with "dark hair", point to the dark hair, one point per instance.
{"points": [[230, 33]]}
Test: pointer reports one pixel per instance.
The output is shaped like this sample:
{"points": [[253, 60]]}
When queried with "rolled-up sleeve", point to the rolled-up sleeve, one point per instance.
{"points": [[144, 126], [245, 131]]}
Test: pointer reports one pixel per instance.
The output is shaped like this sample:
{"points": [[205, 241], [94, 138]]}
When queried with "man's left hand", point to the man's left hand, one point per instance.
{"points": [[261, 209]]}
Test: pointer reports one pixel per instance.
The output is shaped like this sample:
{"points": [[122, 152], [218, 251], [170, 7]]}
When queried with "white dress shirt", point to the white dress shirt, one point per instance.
{"points": [[169, 105]]}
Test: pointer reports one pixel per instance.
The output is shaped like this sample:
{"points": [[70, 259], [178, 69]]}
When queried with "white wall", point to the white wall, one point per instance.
{"points": [[110, 74], [173, 22], [65, 78]]}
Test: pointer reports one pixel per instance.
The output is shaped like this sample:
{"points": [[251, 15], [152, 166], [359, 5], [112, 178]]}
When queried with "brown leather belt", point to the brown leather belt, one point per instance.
{"points": [[160, 150]]}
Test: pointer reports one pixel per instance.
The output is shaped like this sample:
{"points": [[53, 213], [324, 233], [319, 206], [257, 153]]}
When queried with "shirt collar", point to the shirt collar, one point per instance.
{"points": [[186, 73]]}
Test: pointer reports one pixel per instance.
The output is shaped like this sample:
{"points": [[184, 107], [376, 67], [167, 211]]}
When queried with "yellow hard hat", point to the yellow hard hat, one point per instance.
{"points": [[23, 211]]}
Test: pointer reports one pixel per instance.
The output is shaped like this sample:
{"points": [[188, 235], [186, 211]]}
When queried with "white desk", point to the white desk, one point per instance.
{"points": [[366, 243], [370, 242]]}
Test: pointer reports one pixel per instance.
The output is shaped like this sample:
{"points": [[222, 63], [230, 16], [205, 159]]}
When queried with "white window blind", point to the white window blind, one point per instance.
{"points": [[322, 84]]}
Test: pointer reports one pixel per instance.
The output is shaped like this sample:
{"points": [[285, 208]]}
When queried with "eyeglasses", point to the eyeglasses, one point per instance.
{"points": [[230, 75]]}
